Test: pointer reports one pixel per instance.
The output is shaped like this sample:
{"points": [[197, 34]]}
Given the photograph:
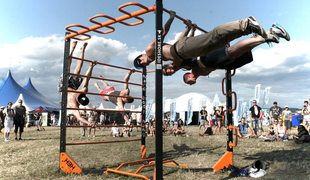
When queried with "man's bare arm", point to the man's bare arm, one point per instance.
{"points": [[150, 49], [127, 77]]}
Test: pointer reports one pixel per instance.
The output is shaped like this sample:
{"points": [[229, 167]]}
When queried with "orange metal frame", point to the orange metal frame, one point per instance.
{"points": [[67, 163], [111, 20], [151, 163]]}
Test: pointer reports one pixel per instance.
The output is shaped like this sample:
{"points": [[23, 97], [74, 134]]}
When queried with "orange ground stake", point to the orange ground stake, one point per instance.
{"points": [[225, 161], [68, 165]]}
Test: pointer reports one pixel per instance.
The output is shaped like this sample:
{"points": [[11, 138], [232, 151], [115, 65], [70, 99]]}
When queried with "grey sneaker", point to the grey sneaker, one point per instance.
{"points": [[278, 30], [272, 38], [255, 27]]}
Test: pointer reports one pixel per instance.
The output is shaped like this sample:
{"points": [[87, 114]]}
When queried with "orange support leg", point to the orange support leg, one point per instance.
{"points": [[225, 161], [68, 165]]}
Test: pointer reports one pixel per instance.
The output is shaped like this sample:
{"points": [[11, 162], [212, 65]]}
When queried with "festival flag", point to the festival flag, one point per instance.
{"points": [[216, 101], [173, 109], [148, 109], [164, 101], [243, 109], [239, 109], [266, 95], [189, 110], [257, 92]]}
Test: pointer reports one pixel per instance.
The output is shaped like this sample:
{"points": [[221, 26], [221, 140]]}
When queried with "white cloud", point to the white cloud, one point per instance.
{"points": [[284, 67]]}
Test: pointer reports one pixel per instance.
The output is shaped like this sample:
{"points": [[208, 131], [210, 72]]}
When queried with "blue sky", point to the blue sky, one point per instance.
{"points": [[32, 34]]}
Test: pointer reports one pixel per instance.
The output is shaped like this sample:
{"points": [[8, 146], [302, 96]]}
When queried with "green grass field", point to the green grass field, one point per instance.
{"points": [[37, 156]]}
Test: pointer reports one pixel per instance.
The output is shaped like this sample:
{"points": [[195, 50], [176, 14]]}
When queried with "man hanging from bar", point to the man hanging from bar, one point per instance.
{"points": [[187, 48], [118, 101], [74, 99], [225, 58]]}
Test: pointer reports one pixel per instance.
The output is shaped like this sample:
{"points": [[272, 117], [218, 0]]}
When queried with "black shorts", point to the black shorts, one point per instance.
{"points": [[134, 122], [221, 59], [74, 82], [20, 126]]}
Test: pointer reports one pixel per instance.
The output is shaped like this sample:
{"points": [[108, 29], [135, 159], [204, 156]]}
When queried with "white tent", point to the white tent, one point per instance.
{"points": [[28, 108], [100, 106]]}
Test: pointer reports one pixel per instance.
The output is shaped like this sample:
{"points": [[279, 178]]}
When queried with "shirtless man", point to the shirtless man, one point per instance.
{"points": [[204, 44], [225, 58], [74, 99], [118, 101]]}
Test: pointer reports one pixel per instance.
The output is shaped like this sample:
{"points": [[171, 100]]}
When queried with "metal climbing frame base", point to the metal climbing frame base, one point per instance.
{"points": [[151, 163]]}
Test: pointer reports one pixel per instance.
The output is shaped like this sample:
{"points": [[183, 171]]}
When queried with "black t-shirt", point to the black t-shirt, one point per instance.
{"points": [[253, 114], [20, 112], [204, 114], [275, 111]]}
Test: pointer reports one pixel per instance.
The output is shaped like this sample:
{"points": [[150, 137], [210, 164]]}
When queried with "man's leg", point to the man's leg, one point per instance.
{"points": [[79, 63], [73, 45], [97, 87], [217, 38], [106, 85]]}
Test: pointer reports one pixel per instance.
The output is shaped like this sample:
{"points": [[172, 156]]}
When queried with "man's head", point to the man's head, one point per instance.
{"points": [[189, 78], [306, 103], [242, 120], [20, 102], [83, 99], [286, 108], [204, 107], [127, 99], [254, 103], [2, 108], [275, 104], [140, 61], [276, 121]]}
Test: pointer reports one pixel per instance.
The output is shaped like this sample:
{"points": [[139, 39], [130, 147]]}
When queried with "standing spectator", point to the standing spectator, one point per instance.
{"points": [[9, 120], [213, 116], [102, 118], [255, 115], [203, 117], [133, 121], [19, 119], [1, 118], [93, 119], [305, 109], [287, 114], [275, 111], [53, 119], [38, 120], [219, 119], [243, 129], [85, 116]]}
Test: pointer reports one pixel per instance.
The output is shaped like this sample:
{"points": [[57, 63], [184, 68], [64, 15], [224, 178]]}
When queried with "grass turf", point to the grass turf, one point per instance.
{"points": [[37, 155]]}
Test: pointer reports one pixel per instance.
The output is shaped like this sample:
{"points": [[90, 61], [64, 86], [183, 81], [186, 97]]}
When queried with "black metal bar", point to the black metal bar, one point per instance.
{"points": [[159, 91], [64, 94], [143, 121], [229, 113]]}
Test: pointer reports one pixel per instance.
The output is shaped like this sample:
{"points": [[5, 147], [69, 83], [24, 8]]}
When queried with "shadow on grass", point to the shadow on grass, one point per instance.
{"points": [[183, 150]]}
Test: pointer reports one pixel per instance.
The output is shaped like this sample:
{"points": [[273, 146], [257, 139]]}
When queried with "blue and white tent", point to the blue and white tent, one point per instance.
{"points": [[10, 91]]}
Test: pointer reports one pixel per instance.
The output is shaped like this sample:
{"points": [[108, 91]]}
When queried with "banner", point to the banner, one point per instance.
{"points": [[173, 109], [148, 109], [164, 99], [266, 95], [243, 109], [239, 109], [257, 93], [189, 110], [203, 102], [216, 101]]}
